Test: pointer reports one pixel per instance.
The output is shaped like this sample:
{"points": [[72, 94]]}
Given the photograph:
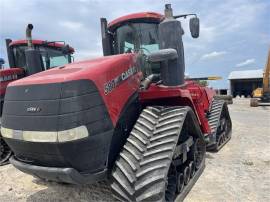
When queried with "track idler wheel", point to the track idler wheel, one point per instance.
{"points": [[180, 182], [5, 152], [192, 169], [199, 152], [186, 175]]}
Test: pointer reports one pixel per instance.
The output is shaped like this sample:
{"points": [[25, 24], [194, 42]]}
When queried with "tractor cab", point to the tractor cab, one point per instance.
{"points": [[141, 33], [135, 33], [27, 57], [52, 54]]}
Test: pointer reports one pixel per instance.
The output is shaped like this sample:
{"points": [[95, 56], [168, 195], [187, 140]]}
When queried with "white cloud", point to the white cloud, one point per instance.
{"points": [[213, 54], [87, 54], [246, 62], [71, 25]]}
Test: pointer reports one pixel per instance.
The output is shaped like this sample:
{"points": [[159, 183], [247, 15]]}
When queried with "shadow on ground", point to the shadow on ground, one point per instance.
{"points": [[66, 192]]}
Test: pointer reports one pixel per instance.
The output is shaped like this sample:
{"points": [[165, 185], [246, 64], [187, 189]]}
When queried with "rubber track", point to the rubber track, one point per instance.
{"points": [[141, 169], [214, 120], [4, 160], [215, 114]]}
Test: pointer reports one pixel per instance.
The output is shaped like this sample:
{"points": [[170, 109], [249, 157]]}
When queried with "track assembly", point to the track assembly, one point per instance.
{"points": [[221, 125], [162, 159]]}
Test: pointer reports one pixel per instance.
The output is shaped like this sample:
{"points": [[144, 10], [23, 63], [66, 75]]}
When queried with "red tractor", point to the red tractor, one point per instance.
{"points": [[129, 116], [27, 57]]}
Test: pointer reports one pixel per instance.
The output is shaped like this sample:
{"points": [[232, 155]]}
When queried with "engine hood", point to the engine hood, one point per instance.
{"points": [[102, 68], [112, 76]]}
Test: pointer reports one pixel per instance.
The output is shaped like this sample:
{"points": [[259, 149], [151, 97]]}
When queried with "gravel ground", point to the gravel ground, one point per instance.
{"points": [[239, 172]]}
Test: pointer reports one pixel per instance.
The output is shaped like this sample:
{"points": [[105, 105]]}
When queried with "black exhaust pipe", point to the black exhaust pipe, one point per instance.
{"points": [[29, 29], [33, 58], [172, 74]]}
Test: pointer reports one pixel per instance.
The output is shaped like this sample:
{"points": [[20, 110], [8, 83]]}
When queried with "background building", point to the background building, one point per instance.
{"points": [[244, 82]]}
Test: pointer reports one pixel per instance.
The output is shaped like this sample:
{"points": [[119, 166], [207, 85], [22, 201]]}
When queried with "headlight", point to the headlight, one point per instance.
{"points": [[36, 136], [43, 136], [72, 134], [6, 132]]}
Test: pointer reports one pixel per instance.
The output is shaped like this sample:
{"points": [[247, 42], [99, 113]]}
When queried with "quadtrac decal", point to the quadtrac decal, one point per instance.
{"points": [[112, 84]]}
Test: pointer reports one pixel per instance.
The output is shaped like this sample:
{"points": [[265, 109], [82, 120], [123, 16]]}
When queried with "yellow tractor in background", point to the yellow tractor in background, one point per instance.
{"points": [[261, 96]]}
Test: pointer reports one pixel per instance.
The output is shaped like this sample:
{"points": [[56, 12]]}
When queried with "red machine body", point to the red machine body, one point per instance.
{"points": [[106, 69], [101, 71], [191, 94], [8, 75], [143, 16], [129, 116]]}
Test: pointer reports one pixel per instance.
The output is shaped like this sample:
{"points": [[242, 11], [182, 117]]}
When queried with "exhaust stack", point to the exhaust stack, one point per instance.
{"points": [[29, 35], [172, 73], [33, 58]]}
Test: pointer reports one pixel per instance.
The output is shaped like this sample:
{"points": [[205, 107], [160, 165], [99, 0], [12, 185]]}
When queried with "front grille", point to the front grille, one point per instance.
{"points": [[61, 106]]}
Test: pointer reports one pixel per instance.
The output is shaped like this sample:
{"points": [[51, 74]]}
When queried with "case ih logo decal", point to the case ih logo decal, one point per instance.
{"points": [[33, 109], [109, 86]]}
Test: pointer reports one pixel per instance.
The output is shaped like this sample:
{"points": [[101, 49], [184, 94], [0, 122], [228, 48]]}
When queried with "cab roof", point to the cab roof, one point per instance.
{"points": [[135, 17], [41, 42]]}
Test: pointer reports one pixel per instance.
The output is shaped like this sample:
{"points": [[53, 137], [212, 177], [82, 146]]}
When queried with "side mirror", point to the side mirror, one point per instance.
{"points": [[162, 55], [194, 26], [106, 38]]}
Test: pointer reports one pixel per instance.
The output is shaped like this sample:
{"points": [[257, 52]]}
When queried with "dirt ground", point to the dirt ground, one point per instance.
{"points": [[239, 172]]}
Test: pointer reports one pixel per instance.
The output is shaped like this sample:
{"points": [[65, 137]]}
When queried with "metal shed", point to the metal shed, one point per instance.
{"points": [[244, 82]]}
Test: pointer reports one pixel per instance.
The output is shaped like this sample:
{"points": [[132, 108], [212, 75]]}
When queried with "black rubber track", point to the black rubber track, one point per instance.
{"points": [[5, 152], [141, 171], [219, 118]]}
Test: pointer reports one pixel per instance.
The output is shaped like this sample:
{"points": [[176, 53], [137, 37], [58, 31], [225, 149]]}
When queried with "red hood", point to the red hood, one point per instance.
{"points": [[103, 72], [101, 68]]}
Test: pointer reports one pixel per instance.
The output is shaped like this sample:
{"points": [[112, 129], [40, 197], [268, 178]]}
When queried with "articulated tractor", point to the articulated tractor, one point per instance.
{"points": [[129, 116]]}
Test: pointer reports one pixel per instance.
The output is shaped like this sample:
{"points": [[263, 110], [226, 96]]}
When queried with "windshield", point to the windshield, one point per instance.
{"points": [[53, 58], [50, 57], [133, 37]]}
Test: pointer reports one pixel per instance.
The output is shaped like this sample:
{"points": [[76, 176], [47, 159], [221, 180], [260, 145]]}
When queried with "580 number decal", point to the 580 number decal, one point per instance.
{"points": [[109, 86]]}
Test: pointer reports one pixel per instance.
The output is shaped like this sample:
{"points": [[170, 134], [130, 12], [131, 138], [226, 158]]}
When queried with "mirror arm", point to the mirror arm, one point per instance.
{"points": [[184, 15]]}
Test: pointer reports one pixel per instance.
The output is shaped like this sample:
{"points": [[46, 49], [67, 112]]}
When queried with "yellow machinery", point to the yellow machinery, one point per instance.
{"points": [[257, 93], [261, 96]]}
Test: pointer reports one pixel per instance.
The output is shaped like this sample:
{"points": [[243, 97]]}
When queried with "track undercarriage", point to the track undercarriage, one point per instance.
{"points": [[221, 125], [162, 158]]}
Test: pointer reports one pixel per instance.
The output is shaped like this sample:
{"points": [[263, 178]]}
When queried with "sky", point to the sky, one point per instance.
{"points": [[234, 34]]}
